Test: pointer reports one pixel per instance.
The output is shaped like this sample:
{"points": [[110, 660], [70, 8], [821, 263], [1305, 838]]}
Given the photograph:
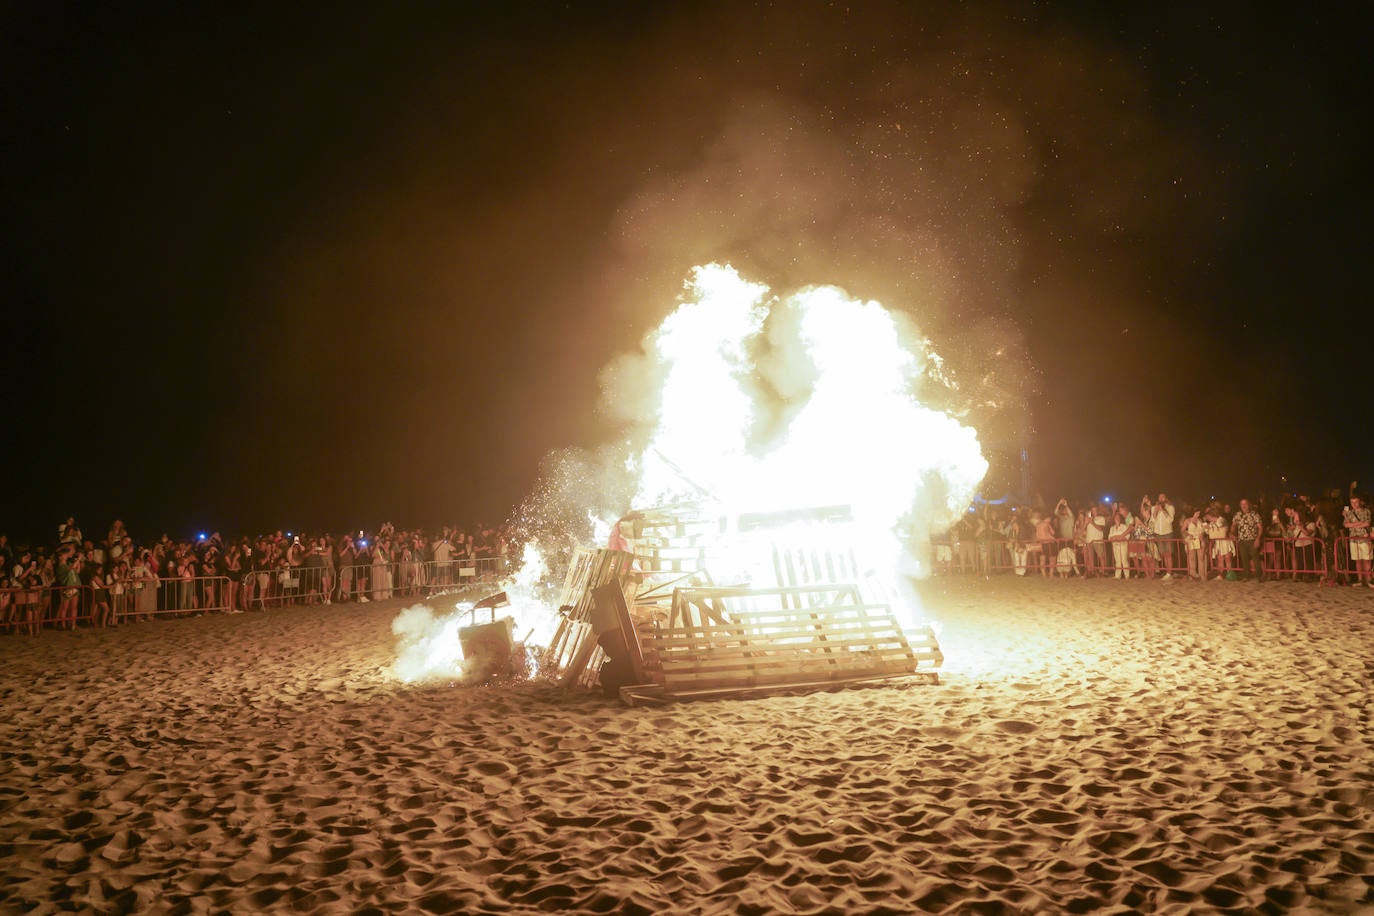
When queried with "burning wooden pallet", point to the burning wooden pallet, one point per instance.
{"points": [[726, 642], [665, 631], [573, 652]]}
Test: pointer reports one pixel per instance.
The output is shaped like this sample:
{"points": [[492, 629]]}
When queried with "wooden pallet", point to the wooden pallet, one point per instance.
{"points": [[746, 640], [822, 622], [573, 654]]}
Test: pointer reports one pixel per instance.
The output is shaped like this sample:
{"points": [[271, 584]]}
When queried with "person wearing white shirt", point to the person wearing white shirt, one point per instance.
{"points": [[1162, 526]]}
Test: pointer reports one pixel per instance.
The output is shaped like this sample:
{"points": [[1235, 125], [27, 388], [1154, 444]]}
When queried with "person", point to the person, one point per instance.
{"points": [[326, 544], [1080, 545], [362, 569], [348, 557], [68, 579], [1162, 530], [1095, 540], [1356, 521], [944, 552], [28, 615], [120, 595], [186, 579], [143, 581], [233, 563], [1303, 531], [1193, 529], [1273, 551], [69, 532], [114, 540], [1043, 553], [261, 563], [295, 557], [1064, 523], [1119, 536], [406, 576], [312, 569], [210, 570], [981, 535], [7, 604], [49, 594], [381, 570], [443, 560], [101, 614], [1144, 553], [1248, 529], [1222, 544], [1016, 545]]}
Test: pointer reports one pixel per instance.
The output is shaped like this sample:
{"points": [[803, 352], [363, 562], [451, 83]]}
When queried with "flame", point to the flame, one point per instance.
{"points": [[808, 400], [768, 404], [427, 644]]}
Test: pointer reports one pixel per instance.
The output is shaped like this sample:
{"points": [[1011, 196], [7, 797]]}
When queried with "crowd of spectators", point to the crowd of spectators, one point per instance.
{"points": [[1298, 538], [116, 577]]}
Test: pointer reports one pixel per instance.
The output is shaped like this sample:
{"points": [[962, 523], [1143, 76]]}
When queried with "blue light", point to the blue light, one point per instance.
{"points": [[201, 536], [1107, 500]]}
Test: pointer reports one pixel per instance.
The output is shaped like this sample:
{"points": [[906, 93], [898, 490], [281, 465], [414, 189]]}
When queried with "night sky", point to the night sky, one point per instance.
{"points": [[288, 267]]}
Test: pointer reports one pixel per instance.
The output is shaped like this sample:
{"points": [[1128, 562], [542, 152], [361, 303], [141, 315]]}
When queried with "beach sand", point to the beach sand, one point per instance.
{"points": [[1092, 746]]}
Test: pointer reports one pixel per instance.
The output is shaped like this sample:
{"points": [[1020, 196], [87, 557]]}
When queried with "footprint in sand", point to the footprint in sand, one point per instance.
{"points": [[1016, 726]]}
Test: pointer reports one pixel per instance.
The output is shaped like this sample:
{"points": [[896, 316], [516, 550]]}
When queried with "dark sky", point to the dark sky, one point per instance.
{"points": [[289, 267]]}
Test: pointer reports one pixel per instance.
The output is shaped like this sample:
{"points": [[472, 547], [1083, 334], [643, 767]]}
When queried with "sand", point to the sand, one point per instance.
{"points": [[1092, 746]]}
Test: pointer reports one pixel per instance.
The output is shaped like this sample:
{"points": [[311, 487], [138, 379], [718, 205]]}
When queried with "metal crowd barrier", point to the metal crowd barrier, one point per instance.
{"points": [[293, 585], [1153, 557], [189, 595], [441, 575], [130, 600], [1293, 558], [373, 581], [118, 602], [1346, 554]]}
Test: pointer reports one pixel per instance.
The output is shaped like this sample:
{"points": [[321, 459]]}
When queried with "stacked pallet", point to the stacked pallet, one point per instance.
{"points": [[742, 642], [573, 655], [659, 624]]}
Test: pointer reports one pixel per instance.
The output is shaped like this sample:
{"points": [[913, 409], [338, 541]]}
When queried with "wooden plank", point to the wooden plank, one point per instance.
{"points": [[610, 599], [742, 591], [751, 650], [791, 629], [783, 661], [582, 646], [765, 668], [784, 629], [671, 666], [572, 652], [799, 676], [637, 696]]}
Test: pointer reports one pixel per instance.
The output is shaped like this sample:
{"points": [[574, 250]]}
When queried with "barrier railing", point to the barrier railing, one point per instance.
{"points": [[1303, 559], [188, 594], [28, 610], [1351, 560], [293, 585], [371, 581], [440, 575]]}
